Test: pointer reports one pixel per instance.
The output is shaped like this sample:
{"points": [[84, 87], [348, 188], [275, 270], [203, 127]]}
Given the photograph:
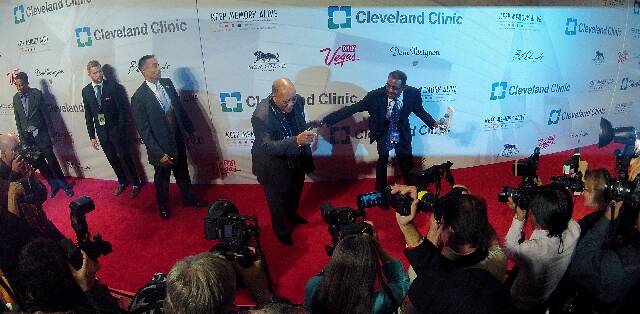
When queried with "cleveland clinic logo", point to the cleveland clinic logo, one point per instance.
{"points": [[18, 14], [557, 115], [500, 90], [572, 28], [231, 102], [342, 17], [629, 83], [83, 36]]}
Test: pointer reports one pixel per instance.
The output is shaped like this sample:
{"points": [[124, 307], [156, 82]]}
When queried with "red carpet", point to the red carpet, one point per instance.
{"points": [[144, 244]]}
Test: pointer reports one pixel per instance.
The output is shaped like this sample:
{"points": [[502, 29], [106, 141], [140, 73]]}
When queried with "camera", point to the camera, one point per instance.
{"points": [[343, 222], [621, 189], [94, 246], [401, 203], [526, 168], [29, 152], [572, 178], [433, 174], [223, 222]]}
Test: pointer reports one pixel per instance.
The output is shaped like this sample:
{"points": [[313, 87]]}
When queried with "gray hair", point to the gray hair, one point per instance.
{"points": [[204, 283]]}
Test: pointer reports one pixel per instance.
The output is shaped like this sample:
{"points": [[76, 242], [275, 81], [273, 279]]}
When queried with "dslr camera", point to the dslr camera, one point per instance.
{"points": [[526, 168], [94, 246], [621, 189], [343, 222], [401, 203], [235, 232], [572, 176]]}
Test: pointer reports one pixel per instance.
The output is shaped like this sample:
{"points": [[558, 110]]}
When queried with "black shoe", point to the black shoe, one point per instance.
{"points": [[194, 203], [135, 190], [54, 191], [164, 213], [297, 219], [119, 189], [285, 239], [68, 191]]}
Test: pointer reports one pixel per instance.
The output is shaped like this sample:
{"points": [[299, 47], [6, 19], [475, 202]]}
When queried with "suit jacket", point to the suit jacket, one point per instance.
{"points": [[375, 102], [114, 104], [273, 150], [151, 121], [38, 119]]}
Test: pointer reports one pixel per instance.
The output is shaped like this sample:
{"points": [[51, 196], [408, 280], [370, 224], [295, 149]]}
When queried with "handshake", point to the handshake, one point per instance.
{"points": [[308, 136]]}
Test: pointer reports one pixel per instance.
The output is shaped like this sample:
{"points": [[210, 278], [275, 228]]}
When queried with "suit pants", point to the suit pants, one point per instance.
{"points": [[283, 200], [118, 154], [50, 168], [405, 161], [180, 171]]}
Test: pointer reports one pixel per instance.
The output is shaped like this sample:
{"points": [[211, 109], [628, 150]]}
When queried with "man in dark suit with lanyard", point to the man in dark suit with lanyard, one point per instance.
{"points": [[160, 119], [105, 103], [389, 108], [33, 123], [281, 154]]}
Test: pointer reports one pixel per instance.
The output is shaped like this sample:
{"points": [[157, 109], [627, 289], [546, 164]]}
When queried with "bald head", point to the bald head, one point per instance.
{"points": [[8, 144], [283, 93]]}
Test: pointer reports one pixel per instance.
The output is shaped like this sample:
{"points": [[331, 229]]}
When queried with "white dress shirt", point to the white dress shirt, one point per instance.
{"points": [[542, 261]]}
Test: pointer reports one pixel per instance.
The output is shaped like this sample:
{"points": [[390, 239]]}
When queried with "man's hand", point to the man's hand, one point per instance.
{"points": [[314, 124], [16, 190], [306, 138], [85, 276], [435, 229], [435, 126], [412, 192], [94, 144], [166, 161], [17, 164], [520, 213], [634, 168]]}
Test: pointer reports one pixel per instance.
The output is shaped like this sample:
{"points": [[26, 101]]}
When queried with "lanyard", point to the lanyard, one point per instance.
{"points": [[282, 121]]}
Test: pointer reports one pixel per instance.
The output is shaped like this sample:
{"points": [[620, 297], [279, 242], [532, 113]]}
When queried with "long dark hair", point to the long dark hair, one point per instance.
{"points": [[349, 280], [552, 207]]}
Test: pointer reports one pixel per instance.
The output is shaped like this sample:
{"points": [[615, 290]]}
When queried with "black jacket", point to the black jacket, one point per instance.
{"points": [[273, 151], [152, 124], [39, 119], [114, 105], [375, 102], [440, 287]]}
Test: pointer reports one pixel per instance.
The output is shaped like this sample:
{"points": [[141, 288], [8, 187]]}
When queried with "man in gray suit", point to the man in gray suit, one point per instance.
{"points": [[161, 120], [33, 123], [281, 154]]}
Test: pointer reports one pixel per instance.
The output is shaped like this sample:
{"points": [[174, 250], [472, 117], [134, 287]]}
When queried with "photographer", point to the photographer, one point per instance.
{"points": [[606, 267], [11, 165], [543, 259], [206, 283], [443, 285], [348, 282], [52, 284]]}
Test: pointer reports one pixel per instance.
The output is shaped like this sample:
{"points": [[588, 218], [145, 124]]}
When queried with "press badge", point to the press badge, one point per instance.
{"points": [[101, 119]]}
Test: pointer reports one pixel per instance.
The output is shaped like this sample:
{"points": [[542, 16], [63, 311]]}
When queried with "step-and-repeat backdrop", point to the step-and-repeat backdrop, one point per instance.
{"points": [[514, 78]]}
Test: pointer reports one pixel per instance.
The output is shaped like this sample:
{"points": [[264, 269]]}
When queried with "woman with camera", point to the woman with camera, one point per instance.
{"points": [[543, 259], [361, 277], [605, 270]]}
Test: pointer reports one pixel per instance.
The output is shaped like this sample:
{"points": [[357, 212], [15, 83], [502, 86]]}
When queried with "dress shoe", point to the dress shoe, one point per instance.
{"points": [[297, 219], [54, 191], [194, 203], [119, 189], [164, 213], [285, 239], [68, 191], [135, 190]]}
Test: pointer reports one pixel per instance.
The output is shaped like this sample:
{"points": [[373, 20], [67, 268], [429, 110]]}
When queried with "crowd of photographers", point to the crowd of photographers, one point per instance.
{"points": [[458, 266]]}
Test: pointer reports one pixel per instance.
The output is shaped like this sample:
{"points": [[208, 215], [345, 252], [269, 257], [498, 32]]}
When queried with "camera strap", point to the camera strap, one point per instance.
{"points": [[476, 257]]}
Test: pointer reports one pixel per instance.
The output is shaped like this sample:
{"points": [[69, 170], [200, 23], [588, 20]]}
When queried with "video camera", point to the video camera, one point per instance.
{"points": [[223, 222], [343, 222], [526, 168], [402, 203], [621, 189], [572, 176], [94, 246]]}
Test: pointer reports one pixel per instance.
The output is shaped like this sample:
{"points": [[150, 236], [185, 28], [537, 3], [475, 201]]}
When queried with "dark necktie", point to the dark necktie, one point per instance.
{"points": [[394, 134], [99, 95]]}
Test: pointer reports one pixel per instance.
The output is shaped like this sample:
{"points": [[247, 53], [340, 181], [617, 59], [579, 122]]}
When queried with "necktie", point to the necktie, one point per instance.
{"points": [[164, 101], [394, 134], [25, 104], [99, 94]]}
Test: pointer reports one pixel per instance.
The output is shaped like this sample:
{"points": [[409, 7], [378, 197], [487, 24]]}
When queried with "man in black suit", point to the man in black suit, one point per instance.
{"points": [[33, 123], [389, 108], [160, 119], [281, 154], [105, 103]]}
